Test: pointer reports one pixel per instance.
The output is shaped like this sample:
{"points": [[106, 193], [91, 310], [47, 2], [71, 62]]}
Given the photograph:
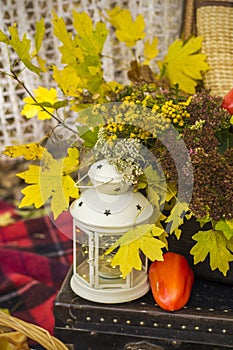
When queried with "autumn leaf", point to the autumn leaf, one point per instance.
{"points": [[141, 73], [184, 64], [22, 48], [51, 181], [141, 238], [71, 162], [153, 197], [157, 186], [150, 50], [176, 218], [226, 226], [92, 38], [171, 191], [68, 81], [42, 95], [4, 38], [30, 151], [88, 135], [39, 36], [127, 30], [215, 244], [69, 50], [81, 54]]}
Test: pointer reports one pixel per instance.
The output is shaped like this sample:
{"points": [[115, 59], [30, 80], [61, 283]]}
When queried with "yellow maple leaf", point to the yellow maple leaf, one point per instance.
{"points": [[127, 30], [39, 36], [215, 244], [226, 226], [150, 50], [70, 50], [68, 81], [81, 54], [22, 48], [51, 180], [70, 163], [112, 14], [176, 218], [141, 238], [42, 96], [30, 151], [184, 64], [92, 37]]}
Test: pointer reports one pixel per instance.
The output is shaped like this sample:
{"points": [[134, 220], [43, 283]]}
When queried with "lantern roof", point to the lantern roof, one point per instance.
{"points": [[99, 211]]}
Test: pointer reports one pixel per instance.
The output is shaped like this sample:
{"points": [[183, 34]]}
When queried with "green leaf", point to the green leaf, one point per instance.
{"points": [[226, 140], [87, 117], [141, 238], [60, 104], [171, 191], [215, 244], [81, 53], [39, 34], [90, 40], [153, 196], [22, 48], [89, 136], [226, 226], [157, 186], [4, 38], [70, 52], [204, 220], [56, 105], [142, 182]]}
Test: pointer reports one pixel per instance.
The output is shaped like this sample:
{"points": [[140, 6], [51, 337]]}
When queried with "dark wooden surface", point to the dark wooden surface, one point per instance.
{"points": [[205, 323]]}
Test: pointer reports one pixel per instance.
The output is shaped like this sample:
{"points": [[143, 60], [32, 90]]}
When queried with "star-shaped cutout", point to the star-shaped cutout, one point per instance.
{"points": [[138, 206], [117, 189], [107, 212], [100, 166]]}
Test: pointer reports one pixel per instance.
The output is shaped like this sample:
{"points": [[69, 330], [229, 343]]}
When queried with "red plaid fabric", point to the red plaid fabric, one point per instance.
{"points": [[35, 256]]}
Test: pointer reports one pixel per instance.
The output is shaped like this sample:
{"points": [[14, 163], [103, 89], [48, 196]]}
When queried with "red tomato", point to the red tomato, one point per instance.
{"points": [[171, 281], [227, 102]]}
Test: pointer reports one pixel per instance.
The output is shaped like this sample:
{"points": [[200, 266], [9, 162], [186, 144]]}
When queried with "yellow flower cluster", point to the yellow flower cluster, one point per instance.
{"points": [[147, 100], [132, 120], [114, 130], [176, 113]]}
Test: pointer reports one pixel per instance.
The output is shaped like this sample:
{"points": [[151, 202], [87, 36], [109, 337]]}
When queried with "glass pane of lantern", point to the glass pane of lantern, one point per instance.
{"points": [[108, 275], [84, 255]]}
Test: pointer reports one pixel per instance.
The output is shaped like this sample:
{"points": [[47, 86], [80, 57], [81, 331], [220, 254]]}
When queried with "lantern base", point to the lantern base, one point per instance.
{"points": [[109, 295]]}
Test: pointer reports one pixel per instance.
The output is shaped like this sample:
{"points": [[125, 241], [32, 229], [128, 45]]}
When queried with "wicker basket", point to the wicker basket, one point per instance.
{"points": [[16, 332], [163, 19], [213, 20]]}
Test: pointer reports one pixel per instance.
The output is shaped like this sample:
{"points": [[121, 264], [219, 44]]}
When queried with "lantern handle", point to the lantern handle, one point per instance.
{"points": [[94, 186]]}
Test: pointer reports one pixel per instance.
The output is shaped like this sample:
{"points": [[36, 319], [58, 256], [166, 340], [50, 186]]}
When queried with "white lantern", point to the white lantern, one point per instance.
{"points": [[101, 215]]}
